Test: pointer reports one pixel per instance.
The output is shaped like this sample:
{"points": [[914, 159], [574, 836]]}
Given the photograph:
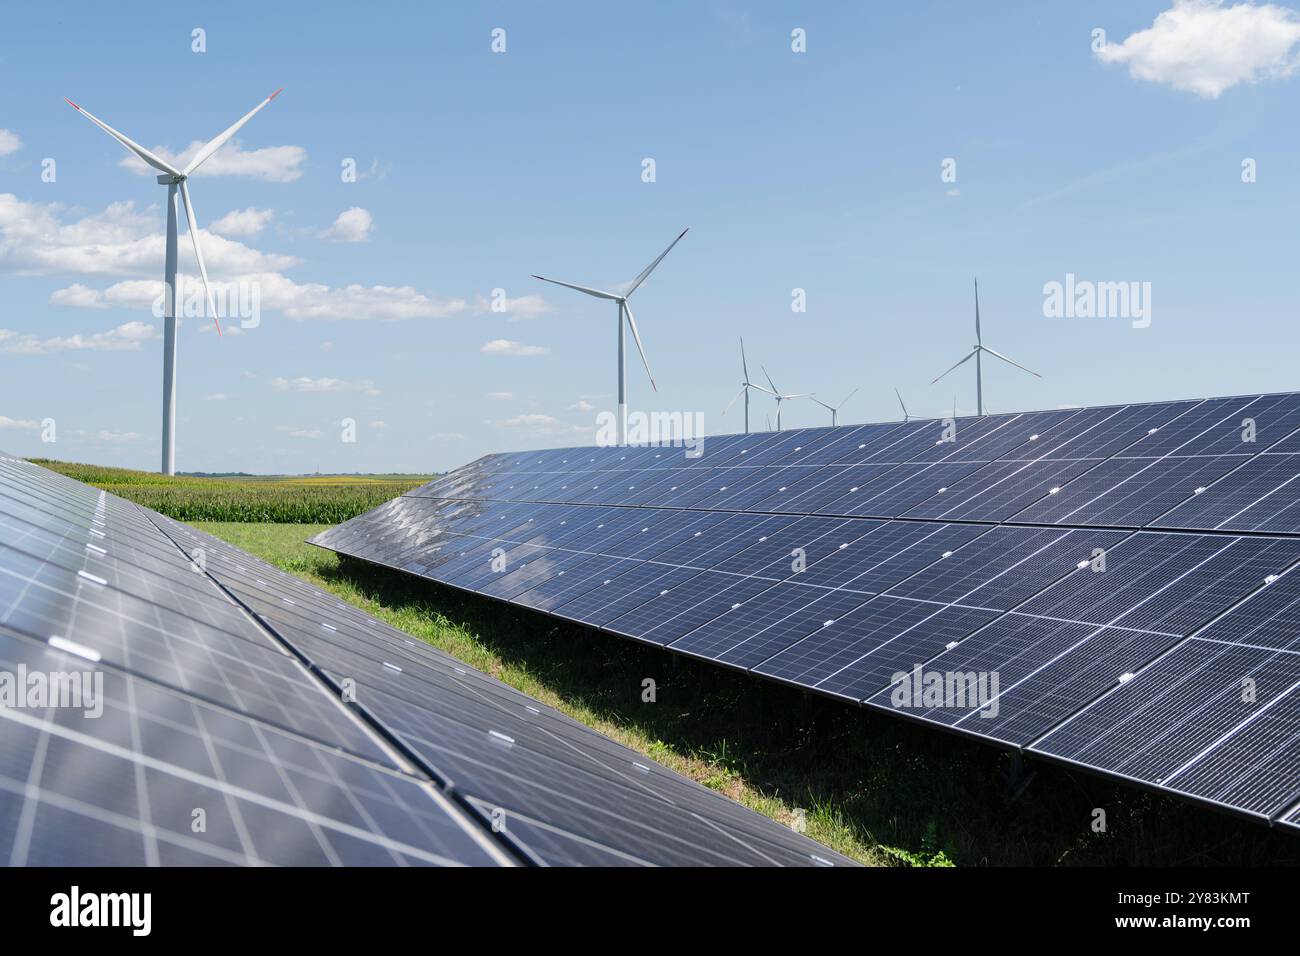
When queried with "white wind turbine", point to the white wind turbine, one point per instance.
{"points": [[176, 180], [834, 409], [976, 353], [780, 397], [745, 386], [624, 310]]}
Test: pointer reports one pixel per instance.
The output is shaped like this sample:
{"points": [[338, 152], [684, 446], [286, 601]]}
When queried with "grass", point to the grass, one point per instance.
{"points": [[251, 498], [881, 790]]}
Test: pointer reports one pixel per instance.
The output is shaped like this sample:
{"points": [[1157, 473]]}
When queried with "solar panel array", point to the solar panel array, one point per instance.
{"points": [[247, 717], [1127, 574]]}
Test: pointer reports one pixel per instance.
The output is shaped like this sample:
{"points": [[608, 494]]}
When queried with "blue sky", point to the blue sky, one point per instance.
{"points": [[818, 170]]}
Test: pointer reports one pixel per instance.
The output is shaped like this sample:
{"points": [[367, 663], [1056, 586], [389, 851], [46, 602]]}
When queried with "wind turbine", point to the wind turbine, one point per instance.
{"points": [[624, 310], [745, 386], [906, 417], [777, 394], [834, 409], [176, 180], [976, 353]]}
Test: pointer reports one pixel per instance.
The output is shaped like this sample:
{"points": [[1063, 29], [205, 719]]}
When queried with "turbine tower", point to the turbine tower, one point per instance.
{"points": [[176, 180], [745, 386], [780, 397], [976, 354], [624, 310], [835, 409]]}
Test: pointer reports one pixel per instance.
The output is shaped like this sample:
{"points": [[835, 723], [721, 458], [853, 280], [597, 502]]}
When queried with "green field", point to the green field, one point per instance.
{"points": [[289, 498], [876, 788]]}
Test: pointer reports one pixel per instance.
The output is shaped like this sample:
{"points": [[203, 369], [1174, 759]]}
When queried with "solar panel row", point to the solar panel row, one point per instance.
{"points": [[247, 717], [1064, 556]]}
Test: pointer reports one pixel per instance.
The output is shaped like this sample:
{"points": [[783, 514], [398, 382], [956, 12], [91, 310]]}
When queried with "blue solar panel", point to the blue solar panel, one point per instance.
{"points": [[1062, 551], [307, 732]]}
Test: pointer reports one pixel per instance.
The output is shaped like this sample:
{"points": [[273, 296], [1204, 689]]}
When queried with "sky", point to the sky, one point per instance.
{"points": [[867, 160]]}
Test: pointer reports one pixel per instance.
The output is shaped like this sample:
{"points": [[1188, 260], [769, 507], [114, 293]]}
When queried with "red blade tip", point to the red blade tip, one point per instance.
{"points": [[275, 94], [72, 104]]}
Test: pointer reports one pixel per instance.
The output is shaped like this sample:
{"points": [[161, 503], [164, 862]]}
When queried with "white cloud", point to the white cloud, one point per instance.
{"points": [[312, 300], [276, 164], [518, 310], [124, 338], [243, 222], [81, 297], [544, 426], [9, 142], [216, 397], [501, 396], [507, 347], [306, 384], [351, 225], [529, 420], [295, 432], [447, 436], [1203, 47], [121, 240], [327, 346], [378, 426], [25, 424], [582, 405], [118, 438]]}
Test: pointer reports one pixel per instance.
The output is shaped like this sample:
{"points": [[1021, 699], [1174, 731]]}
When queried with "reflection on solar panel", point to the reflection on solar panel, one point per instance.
{"points": [[168, 699], [1118, 588]]}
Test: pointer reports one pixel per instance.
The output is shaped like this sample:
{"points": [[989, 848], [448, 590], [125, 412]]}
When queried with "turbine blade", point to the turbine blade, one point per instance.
{"points": [[759, 388], [581, 288], [217, 142], [846, 399], [978, 340], [130, 144], [198, 251], [900, 402], [743, 364], [651, 267], [733, 401], [1009, 362], [636, 337], [970, 355], [819, 402], [775, 390]]}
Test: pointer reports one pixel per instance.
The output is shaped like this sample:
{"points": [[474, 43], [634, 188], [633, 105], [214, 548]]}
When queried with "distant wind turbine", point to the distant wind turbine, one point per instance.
{"points": [[624, 310], [834, 409], [745, 386], [906, 417], [176, 180], [777, 394], [976, 354]]}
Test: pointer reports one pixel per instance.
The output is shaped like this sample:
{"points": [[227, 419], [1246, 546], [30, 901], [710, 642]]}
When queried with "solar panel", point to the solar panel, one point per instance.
{"points": [[1064, 556], [247, 717]]}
